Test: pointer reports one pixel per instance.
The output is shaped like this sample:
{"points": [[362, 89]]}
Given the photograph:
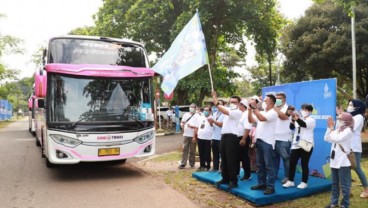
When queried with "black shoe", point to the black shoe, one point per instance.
{"points": [[222, 181], [232, 185], [208, 168], [181, 166], [246, 178], [200, 169], [269, 191], [258, 187]]}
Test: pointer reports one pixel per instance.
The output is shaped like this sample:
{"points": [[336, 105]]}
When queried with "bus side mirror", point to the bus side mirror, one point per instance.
{"points": [[44, 53], [41, 103]]}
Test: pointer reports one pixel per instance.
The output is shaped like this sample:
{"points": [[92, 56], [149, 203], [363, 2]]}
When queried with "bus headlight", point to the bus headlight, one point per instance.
{"points": [[64, 140], [144, 137]]}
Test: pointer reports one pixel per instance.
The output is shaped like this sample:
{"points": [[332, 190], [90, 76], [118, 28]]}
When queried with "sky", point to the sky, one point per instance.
{"points": [[35, 21]]}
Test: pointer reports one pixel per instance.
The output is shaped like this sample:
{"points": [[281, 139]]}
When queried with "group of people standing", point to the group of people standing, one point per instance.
{"points": [[276, 130]]}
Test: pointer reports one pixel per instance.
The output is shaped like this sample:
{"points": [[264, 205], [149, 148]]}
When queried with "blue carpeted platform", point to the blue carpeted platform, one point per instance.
{"points": [[315, 185]]}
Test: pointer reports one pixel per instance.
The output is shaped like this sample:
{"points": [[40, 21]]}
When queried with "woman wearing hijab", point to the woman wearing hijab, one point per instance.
{"points": [[339, 162], [357, 109]]}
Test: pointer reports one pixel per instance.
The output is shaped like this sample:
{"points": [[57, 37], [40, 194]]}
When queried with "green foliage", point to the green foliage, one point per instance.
{"points": [[318, 46], [8, 45], [156, 23]]}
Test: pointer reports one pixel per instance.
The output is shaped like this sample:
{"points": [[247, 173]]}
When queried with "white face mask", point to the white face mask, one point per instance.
{"points": [[350, 109], [232, 106], [192, 110], [339, 123], [264, 105], [305, 114]]}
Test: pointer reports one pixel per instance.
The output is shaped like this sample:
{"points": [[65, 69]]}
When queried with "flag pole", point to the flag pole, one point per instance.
{"points": [[209, 71]]}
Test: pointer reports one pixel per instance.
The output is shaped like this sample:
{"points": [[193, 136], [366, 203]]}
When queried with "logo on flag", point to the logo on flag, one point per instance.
{"points": [[186, 54]]}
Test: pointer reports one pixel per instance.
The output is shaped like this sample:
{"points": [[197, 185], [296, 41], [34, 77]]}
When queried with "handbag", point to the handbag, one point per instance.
{"points": [[351, 157], [306, 146]]}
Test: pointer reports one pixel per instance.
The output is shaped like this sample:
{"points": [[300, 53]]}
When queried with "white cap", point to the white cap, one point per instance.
{"points": [[255, 97], [245, 102]]}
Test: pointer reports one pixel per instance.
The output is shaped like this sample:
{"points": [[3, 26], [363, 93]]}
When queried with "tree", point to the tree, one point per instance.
{"points": [[318, 46], [156, 23], [8, 45]]}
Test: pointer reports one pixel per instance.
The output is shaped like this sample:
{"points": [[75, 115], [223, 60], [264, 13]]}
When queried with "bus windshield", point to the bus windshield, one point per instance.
{"points": [[96, 99], [86, 51]]}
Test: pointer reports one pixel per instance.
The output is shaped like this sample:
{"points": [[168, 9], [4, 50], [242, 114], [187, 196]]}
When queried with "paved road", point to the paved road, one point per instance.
{"points": [[27, 183]]}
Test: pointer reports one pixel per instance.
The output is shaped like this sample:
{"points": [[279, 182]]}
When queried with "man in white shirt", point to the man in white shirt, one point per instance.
{"points": [[169, 115], [229, 144], [216, 120], [244, 128], [188, 123], [265, 144], [283, 136], [203, 134]]}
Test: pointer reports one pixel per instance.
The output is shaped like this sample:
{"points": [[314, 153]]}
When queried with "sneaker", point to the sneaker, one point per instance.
{"points": [[302, 185], [214, 170], [364, 194], [246, 178], [192, 166], [288, 184], [258, 187], [283, 181], [200, 169], [208, 169], [269, 191], [181, 166]]}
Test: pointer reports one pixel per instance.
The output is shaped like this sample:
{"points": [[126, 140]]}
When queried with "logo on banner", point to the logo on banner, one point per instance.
{"points": [[327, 92]]}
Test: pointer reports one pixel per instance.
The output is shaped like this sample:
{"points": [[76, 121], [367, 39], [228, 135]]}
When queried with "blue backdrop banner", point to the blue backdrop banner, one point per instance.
{"points": [[6, 110], [321, 94]]}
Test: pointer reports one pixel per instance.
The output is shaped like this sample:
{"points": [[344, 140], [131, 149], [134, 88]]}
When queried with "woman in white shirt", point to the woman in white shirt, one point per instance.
{"points": [[339, 162], [304, 130], [357, 109]]}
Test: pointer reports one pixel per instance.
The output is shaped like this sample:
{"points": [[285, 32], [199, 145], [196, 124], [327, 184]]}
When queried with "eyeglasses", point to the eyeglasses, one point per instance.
{"points": [[234, 102]]}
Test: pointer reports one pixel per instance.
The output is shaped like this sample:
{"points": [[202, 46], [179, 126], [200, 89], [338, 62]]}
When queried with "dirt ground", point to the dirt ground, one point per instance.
{"points": [[202, 194]]}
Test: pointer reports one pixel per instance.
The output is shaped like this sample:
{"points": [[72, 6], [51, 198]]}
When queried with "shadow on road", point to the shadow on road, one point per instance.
{"points": [[94, 171]]}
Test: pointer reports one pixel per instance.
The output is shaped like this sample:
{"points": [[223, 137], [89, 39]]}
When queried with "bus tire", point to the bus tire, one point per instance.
{"points": [[38, 144], [49, 164]]}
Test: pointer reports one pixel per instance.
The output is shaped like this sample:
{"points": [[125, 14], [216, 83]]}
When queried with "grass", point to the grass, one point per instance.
{"points": [[6, 123], [206, 195]]}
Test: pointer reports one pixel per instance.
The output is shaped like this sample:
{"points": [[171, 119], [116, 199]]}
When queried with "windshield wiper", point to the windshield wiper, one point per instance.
{"points": [[81, 119]]}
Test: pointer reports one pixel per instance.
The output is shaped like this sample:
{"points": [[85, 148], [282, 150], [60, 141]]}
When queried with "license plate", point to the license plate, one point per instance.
{"points": [[108, 151]]}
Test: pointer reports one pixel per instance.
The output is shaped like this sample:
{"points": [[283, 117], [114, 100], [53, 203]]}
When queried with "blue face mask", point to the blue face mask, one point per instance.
{"points": [[214, 109], [206, 113]]}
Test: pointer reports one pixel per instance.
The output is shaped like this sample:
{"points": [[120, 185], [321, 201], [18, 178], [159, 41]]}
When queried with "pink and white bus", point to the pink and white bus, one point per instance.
{"points": [[97, 101]]}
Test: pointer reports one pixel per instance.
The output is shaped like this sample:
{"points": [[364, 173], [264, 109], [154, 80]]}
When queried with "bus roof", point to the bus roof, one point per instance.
{"points": [[98, 38]]}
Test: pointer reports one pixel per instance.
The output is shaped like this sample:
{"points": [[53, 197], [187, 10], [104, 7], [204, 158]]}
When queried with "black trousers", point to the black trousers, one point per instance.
{"points": [[244, 157], [295, 155], [216, 154], [204, 149], [229, 147]]}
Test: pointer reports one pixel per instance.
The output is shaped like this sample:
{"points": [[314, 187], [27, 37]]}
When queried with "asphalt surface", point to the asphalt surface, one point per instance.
{"points": [[27, 182]]}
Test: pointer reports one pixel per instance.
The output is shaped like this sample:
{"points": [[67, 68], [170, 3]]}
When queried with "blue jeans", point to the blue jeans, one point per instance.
{"points": [[341, 177], [266, 168], [359, 171], [282, 149]]}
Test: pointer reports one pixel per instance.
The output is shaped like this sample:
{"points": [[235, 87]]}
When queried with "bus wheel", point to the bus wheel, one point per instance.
{"points": [[38, 142], [49, 164]]}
